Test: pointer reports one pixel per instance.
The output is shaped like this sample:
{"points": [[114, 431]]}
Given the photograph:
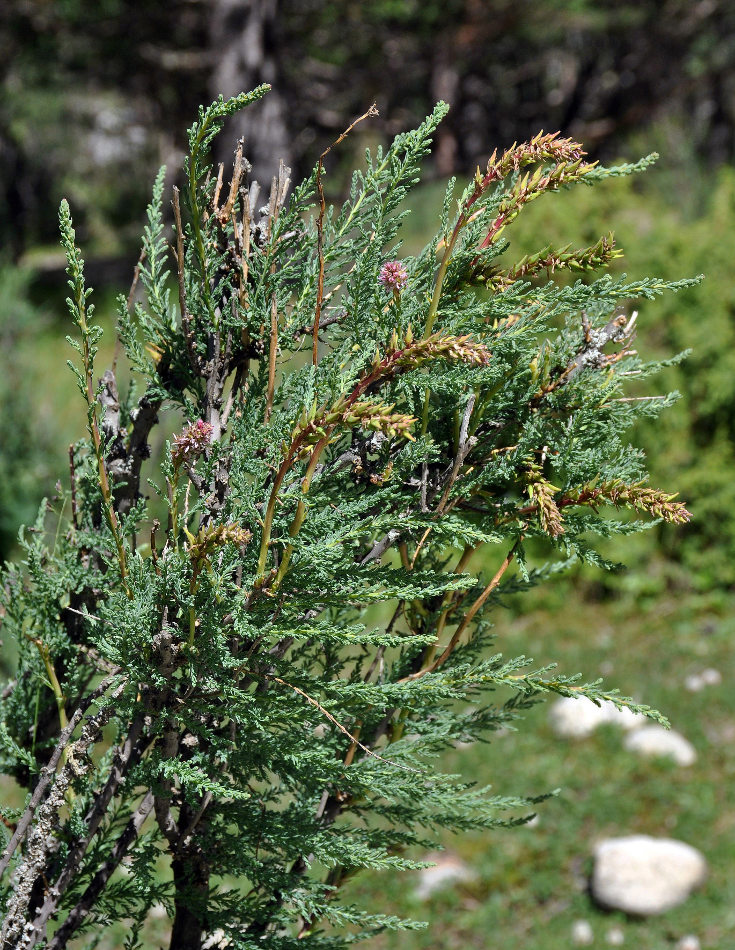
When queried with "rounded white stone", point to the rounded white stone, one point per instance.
{"points": [[693, 683], [711, 677], [625, 718], [615, 937], [582, 934], [655, 741], [696, 682], [643, 875], [447, 870], [576, 718], [689, 942]]}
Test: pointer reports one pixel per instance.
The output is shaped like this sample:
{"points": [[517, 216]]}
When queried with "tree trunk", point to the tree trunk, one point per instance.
{"points": [[191, 877], [243, 40], [445, 86], [191, 883]]}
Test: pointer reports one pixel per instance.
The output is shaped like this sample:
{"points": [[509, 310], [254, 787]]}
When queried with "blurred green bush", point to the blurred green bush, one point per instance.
{"points": [[23, 450], [661, 233]]}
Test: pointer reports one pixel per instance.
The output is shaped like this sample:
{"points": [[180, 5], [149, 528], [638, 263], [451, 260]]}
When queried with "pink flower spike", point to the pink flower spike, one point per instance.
{"points": [[393, 276], [191, 443]]}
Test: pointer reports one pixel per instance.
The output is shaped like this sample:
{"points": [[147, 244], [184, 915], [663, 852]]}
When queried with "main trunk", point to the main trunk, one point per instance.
{"points": [[243, 34], [191, 883]]}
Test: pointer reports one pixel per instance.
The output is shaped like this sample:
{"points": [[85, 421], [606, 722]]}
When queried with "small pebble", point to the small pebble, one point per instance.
{"points": [[690, 942], [655, 741], [693, 683], [696, 682], [615, 937], [447, 870], [711, 677], [576, 718], [582, 934]]}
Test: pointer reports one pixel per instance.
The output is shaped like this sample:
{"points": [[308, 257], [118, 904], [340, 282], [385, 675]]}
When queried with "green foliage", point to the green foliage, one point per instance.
{"points": [[361, 432], [23, 452], [692, 445]]}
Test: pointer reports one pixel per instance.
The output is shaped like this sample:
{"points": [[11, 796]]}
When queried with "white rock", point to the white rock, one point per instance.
{"points": [[693, 683], [643, 875], [582, 934], [447, 870], [711, 677], [625, 718], [690, 942], [696, 682], [615, 936], [573, 718], [655, 741]]}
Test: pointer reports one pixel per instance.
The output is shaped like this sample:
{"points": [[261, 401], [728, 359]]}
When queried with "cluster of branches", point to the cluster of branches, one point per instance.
{"points": [[505, 67], [197, 684]]}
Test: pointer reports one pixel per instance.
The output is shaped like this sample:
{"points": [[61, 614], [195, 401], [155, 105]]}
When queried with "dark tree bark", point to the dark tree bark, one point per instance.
{"points": [[243, 41], [445, 86], [191, 882]]}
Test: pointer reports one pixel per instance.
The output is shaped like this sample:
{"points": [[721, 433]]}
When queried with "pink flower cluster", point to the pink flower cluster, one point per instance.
{"points": [[393, 276], [191, 443]]}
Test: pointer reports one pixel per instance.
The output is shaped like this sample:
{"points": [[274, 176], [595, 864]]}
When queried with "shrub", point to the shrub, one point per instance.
{"points": [[231, 713], [23, 453], [693, 444]]}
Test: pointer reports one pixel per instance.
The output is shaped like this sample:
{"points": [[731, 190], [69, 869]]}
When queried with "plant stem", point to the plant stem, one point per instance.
{"points": [[300, 509], [104, 481], [466, 620]]}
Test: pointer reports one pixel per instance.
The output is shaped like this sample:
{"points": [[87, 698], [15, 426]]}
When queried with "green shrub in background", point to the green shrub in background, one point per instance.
{"points": [[23, 452], [693, 445], [362, 430]]}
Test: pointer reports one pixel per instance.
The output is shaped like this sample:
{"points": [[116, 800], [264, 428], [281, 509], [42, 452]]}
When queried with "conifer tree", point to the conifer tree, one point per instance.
{"points": [[204, 713]]}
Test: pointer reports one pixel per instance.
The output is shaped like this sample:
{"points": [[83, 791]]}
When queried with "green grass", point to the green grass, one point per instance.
{"points": [[530, 882]]}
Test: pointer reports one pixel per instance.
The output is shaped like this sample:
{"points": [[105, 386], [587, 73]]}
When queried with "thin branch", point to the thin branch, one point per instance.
{"points": [[619, 329], [218, 187], [186, 319], [238, 171], [381, 546], [162, 803], [279, 187], [330, 717], [372, 111], [323, 323], [98, 883], [464, 447], [50, 770], [236, 384], [73, 483], [43, 839], [468, 618], [126, 756], [188, 831], [129, 303]]}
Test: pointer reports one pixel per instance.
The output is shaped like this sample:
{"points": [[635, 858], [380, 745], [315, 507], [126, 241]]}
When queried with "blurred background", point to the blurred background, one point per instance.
{"points": [[96, 94]]}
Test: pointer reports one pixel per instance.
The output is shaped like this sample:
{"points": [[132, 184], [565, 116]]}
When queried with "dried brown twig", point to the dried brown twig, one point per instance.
{"points": [[372, 111]]}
